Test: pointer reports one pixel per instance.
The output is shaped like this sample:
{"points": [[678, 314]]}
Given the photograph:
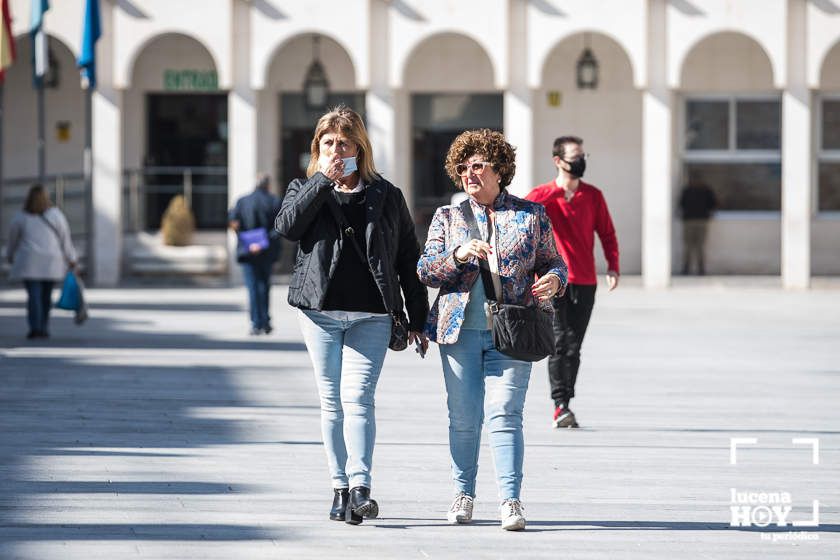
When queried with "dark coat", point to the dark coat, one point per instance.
{"points": [[392, 248], [252, 211]]}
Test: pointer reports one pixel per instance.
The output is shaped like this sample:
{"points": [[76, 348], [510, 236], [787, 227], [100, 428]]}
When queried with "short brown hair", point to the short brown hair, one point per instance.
{"points": [[348, 122], [37, 200], [489, 144], [559, 149]]}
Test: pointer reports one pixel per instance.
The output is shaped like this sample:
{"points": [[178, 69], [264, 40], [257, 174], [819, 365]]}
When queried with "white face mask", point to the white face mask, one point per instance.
{"points": [[349, 165]]}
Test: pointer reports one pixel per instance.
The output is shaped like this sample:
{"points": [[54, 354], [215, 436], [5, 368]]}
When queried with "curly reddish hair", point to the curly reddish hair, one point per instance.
{"points": [[491, 145]]}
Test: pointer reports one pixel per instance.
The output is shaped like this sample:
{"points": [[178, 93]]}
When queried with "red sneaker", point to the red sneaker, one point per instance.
{"points": [[564, 418]]}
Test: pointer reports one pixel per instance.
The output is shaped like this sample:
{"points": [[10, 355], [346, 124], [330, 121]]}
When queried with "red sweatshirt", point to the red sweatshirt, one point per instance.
{"points": [[575, 223]]}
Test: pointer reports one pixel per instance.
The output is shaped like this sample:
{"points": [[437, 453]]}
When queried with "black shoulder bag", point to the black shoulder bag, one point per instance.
{"points": [[521, 332], [399, 331]]}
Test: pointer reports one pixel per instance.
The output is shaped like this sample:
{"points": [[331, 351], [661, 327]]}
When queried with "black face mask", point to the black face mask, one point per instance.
{"points": [[577, 167]]}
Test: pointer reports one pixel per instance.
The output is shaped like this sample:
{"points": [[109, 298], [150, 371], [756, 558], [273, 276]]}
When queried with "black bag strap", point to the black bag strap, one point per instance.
{"points": [[486, 277], [57, 236]]}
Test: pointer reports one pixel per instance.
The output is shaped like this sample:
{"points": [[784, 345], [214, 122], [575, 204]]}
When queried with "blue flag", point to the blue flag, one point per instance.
{"points": [[91, 32], [37, 19], [39, 40]]}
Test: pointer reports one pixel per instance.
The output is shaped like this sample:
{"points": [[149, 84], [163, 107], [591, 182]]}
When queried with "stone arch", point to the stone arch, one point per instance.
{"points": [[126, 77], [731, 53], [434, 54]]}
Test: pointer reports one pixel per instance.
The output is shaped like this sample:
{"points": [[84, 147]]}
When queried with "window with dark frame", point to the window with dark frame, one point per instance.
{"points": [[733, 145], [828, 174]]}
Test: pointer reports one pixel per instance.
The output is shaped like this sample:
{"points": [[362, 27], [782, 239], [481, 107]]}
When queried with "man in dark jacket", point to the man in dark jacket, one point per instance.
{"points": [[697, 202], [258, 248]]}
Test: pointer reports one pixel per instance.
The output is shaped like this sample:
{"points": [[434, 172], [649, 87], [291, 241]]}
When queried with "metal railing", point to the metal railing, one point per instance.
{"points": [[148, 190], [67, 191]]}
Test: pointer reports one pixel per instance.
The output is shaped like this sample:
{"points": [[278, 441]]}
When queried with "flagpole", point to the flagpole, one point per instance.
{"points": [[91, 32], [88, 171], [41, 134]]}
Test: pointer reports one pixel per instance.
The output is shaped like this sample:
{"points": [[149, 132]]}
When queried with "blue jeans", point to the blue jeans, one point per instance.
{"points": [[347, 356], [471, 367], [38, 304], [257, 276]]}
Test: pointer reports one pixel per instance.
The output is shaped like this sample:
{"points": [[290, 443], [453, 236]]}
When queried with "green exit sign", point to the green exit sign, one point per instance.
{"points": [[190, 80]]}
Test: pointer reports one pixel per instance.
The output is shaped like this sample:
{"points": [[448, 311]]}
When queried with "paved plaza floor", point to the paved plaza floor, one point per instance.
{"points": [[160, 429]]}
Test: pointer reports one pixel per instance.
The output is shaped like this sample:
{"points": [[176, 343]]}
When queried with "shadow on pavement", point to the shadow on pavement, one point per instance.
{"points": [[64, 334], [70, 408], [150, 306], [146, 532]]}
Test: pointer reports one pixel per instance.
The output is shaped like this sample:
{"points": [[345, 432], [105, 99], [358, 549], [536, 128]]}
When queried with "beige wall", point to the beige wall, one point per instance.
{"points": [[291, 61], [449, 62], [727, 62], [20, 157]]}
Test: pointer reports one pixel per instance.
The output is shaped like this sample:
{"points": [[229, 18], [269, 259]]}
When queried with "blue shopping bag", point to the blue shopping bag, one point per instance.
{"points": [[70, 297]]}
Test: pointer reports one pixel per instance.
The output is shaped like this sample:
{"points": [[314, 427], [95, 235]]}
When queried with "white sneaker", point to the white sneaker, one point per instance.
{"points": [[461, 509], [512, 514]]}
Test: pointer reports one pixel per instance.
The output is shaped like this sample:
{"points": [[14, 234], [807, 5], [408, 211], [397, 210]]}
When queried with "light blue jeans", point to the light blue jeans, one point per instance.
{"points": [[472, 367], [347, 355]]}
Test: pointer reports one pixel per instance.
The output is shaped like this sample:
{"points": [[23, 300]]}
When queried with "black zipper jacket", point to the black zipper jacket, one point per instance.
{"points": [[392, 247]]}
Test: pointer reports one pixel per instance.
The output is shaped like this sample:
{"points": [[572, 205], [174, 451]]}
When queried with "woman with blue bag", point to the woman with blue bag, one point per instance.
{"points": [[40, 250]]}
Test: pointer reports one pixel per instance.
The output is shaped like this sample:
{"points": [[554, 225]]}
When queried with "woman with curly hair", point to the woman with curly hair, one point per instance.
{"points": [[518, 248]]}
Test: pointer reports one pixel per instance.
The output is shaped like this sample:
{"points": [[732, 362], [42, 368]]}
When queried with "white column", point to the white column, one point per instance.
{"points": [[242, 125], [379, 102], [107, 151], [387, 108], [797, 157], [107, 185], [519, 131], [518, 100], [381, 127], [657, 155]]}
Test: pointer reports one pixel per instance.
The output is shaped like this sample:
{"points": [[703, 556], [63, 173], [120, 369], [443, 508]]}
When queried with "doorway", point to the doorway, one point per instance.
{"points": [[186, 152]]}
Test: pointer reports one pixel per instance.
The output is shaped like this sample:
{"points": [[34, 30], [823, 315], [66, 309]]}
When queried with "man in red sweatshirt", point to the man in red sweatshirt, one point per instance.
{"points": [[577, 211]]}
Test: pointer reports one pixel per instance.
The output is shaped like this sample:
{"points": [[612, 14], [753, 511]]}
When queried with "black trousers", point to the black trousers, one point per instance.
{"points": [[571, 317]]}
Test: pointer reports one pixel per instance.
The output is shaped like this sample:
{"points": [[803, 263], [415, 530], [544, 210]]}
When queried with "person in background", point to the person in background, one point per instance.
{"points": [[40, 250], [258, 247], [697, 203], [577, 211], [357, 250], [518, 248]]}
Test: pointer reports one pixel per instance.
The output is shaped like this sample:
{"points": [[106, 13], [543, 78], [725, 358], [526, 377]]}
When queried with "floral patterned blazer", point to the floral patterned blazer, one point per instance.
{"points": [[524, 248]]}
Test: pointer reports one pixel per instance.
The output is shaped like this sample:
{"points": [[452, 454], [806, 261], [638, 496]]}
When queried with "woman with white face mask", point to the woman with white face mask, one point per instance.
{"points": [[353, 275]]}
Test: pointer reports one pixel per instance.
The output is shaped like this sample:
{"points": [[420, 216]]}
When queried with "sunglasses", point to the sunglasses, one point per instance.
{"points": [[476, 167]]}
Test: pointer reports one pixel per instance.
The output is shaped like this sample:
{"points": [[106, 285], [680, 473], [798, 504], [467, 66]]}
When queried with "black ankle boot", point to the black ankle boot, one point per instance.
{"points": [[339, 506], [361, 505]]}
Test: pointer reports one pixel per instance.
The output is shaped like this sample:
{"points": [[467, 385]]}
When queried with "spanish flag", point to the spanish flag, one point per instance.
{"points": [[7, 41]]}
